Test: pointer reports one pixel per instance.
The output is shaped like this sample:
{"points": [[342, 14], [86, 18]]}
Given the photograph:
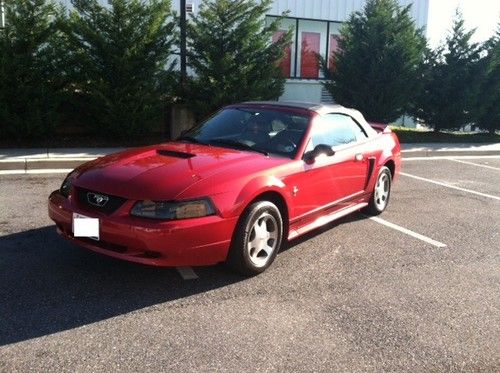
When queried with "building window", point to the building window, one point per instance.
{"points": [[309, 49], [312, 41], [333, 47], [310, 38], [286, 62], [189, 8]]}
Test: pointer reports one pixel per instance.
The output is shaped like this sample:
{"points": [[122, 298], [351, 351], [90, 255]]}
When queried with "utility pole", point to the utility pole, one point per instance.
{"points": [[183, 43]]}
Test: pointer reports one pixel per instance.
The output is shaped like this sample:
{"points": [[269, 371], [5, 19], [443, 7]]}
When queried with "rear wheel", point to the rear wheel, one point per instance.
{"points": [[257, 239], [381, 193]]}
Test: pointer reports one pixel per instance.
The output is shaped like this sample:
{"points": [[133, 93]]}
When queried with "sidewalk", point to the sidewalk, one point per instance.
{"points": [[39, 158], [448, 150]]}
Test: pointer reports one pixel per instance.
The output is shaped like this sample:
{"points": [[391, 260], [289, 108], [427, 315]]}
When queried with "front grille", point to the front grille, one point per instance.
{"points": [[120, 249], [104, 245], [110, 206]]}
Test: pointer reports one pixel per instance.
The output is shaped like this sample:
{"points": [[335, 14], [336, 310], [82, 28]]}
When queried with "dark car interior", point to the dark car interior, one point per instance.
{"points": [[265, 130]]}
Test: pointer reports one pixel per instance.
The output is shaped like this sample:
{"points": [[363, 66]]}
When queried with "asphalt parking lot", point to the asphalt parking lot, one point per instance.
{"points": [[416, 290]]}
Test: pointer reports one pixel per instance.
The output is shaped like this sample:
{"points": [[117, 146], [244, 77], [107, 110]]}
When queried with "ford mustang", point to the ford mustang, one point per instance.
{"points": [[231, 189]]}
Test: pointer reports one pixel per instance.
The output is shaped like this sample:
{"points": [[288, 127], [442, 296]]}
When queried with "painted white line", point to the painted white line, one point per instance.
{"points": [[450, 186], [36, 172], [450, 157], [12, 172], [475, 164], [408, 232], [50, 171], [187, 273]]}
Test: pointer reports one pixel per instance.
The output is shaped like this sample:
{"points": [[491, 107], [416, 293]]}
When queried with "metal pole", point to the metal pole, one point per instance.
{"points": [[2, 14], [183, 42]]}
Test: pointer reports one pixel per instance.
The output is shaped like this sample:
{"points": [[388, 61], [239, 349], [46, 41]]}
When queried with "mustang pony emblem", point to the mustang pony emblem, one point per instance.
{"points": [[98, 200]]}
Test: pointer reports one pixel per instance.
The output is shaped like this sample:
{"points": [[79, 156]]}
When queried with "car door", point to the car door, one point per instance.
{"points": [[310, 184], [328, 183], [348, 167]]}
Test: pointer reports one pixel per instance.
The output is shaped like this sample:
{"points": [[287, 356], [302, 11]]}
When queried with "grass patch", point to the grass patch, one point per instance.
{"points": [[411, 135]]}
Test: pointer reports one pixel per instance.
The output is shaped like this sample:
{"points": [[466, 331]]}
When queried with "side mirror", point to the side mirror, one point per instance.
{"points": [[319, 149]]}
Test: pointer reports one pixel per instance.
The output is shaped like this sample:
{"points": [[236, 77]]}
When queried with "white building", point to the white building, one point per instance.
{"points": [[316, 25]]}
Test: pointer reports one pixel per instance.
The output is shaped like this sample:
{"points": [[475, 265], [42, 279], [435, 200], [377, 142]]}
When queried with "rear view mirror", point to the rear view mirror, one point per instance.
{"points": [[319, 149]]}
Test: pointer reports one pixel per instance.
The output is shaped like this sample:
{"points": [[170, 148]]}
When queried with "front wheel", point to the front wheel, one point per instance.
{"points": [[257, 239], [381, 193]]}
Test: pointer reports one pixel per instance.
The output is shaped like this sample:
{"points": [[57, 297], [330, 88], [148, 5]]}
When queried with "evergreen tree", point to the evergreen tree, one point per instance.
{"points": [[30, 86], [377, 64], [488, 97], [450, 81], [120, 61], [232, 55]]}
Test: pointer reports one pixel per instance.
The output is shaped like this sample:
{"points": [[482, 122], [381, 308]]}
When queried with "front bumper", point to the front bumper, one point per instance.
{"points": [[189, 242]]}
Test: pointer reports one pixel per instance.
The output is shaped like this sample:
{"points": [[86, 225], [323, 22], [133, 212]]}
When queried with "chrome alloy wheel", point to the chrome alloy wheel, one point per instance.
{"points": [[382, 191], [263, 239]]}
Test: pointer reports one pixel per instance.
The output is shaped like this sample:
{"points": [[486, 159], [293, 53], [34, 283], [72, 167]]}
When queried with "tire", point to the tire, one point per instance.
{"points": [[257, 239], [381, 193]]}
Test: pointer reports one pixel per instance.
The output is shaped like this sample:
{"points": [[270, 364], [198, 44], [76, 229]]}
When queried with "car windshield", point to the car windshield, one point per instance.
{"points": [[266, 131]]}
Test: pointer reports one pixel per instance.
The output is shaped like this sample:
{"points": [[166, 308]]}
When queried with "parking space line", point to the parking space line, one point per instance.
{"points": [[474, 164], [12, 172], [187, 273], [450, 186], [36, 172], [408, 232]]}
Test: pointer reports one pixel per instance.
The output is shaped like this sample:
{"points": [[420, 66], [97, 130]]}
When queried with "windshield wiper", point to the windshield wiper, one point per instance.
{"points": [[191, 139], [238, 145]]}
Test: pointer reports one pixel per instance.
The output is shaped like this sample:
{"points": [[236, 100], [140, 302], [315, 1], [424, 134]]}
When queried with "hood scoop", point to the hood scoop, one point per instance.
{"points": [[174, 154]]}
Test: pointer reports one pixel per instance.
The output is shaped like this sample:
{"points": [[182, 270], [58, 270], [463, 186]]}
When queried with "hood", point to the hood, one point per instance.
{"points": [[162, 172]]}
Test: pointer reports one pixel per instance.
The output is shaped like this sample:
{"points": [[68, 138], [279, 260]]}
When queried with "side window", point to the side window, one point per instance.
{"points": [[337, 129]]}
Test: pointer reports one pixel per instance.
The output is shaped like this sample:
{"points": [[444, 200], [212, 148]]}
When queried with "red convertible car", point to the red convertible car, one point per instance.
{"points": [[232, 188]]}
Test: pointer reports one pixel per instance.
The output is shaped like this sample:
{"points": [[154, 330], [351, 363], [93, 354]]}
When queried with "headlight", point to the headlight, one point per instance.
{"points": [[171, 210], [65, 188]]}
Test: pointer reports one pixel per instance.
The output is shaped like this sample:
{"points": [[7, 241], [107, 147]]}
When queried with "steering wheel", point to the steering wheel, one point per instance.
{"points": [[286, 146]]}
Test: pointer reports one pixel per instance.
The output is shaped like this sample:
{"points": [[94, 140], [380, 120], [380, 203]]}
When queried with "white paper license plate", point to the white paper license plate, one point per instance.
{"points": [[85, 226]]}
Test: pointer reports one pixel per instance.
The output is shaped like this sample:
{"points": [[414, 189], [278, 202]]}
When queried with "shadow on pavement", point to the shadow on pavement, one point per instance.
{"points": [[48, 285]]}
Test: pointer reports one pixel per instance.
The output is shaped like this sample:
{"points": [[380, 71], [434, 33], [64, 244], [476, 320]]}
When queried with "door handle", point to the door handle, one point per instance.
{"points": [[359, 157]]}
